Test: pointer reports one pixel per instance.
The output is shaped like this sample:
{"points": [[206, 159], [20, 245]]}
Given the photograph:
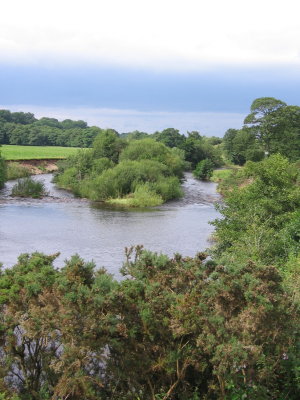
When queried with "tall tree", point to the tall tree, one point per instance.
{"points": [[263, 119]]}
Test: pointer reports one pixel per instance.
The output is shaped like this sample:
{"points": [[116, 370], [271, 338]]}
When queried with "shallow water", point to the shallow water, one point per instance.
{"points": [[62, 223]]}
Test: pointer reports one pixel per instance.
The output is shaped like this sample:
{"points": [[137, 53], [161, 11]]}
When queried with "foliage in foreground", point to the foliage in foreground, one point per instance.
{"points": [[28, 187], [178, 328]]}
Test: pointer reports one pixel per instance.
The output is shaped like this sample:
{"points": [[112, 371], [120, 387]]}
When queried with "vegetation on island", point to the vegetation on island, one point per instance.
{"points": [[27, 187], [136, 173]]}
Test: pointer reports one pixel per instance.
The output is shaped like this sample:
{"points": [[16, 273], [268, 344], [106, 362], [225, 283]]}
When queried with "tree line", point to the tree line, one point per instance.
{"points": [[22, 128]]}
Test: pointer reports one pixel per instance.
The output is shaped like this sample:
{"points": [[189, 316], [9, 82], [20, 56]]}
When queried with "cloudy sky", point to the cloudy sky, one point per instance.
{"points": [[148, 65]]}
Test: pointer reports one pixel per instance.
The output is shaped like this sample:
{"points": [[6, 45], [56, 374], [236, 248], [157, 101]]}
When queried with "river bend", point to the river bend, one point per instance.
{"points": [[62, 223]]}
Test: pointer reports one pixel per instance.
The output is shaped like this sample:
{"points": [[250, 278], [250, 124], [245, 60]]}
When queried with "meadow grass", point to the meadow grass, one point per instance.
{"points": [[14, 152]]}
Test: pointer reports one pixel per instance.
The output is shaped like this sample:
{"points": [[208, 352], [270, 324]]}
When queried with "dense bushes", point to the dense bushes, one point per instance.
{"points": [[178, 328], [139, 173], [261, 222], [204, 169], [260, 211]]}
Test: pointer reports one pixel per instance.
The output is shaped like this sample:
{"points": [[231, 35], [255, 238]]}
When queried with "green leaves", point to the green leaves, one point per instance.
{"points": [[171, 328], [204, 169], [256, 210]]}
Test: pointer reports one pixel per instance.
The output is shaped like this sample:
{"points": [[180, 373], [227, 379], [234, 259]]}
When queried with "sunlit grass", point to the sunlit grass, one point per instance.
{"points": [[13, 152]]}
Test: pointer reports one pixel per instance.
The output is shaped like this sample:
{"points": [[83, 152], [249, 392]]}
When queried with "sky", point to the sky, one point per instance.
{"points": [[148, 65]]}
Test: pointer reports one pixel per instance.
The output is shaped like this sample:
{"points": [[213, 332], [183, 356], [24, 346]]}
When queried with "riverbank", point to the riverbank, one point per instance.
{"points": [[36, 166]]}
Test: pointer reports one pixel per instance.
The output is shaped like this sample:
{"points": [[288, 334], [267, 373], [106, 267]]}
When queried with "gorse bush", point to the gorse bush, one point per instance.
{"points": [[28, 187], [173, 327]]}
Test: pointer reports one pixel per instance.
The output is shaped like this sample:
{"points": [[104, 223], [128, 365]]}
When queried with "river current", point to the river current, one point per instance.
{"points": [[65, 224]]}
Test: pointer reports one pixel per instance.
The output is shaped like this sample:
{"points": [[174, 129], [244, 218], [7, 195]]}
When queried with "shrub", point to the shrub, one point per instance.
{"points": [[93, 174], [101, 164], [108, 144], [148, 149], [27, 187], [204, 169], [143, 196], [168, 188], [68, 180], [124, 178]]}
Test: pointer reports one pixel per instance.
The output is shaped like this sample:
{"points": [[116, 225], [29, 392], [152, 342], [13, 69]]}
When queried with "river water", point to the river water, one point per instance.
{"points": [[62, 223]]}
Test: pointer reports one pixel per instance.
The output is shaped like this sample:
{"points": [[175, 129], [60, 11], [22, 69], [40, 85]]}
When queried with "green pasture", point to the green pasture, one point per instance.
{"points": [[13, 152]]}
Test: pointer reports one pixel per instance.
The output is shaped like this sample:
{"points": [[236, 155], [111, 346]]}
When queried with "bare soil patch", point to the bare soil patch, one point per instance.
{"points": [[37, 167]]}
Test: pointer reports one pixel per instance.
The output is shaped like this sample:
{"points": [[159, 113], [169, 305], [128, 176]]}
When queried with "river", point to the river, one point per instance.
{"points": [[62, 223]]}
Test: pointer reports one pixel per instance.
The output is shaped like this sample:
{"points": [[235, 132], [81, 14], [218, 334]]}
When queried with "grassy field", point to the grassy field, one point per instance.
{"points": [[12, 152]]}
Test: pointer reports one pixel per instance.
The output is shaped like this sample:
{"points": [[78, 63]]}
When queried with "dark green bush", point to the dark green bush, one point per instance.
{"points": [[94, 174], [204, 169], [148, 149], [168, 187]]}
